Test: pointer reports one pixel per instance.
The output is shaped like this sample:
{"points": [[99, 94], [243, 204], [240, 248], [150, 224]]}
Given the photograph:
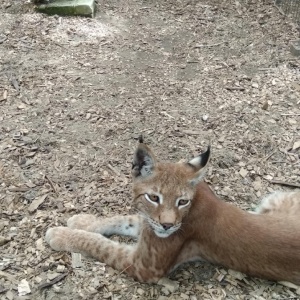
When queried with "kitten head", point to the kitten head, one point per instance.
{"points": [[164, 192]]}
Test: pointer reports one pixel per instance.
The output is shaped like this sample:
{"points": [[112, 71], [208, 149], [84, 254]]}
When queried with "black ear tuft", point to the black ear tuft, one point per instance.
{"points": [[201, 160], [205, 157], [199, 164], [141, 139]]}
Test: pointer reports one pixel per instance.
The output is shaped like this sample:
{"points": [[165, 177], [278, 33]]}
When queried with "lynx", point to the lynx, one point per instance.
{"points": [[180, 219]]}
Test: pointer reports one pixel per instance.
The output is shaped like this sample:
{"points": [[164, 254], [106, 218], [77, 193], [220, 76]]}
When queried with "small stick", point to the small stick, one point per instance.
{"points": [[51, 184], [55, 280], [290, 114], [268, 156], [234, 88], [3, 39], [113, 169], [285, 183], [166, 114], [209, 45], [266, 69]]}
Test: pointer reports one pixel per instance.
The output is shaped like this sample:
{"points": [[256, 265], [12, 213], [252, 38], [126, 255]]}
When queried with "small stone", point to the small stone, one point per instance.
{"points": [[296, 145], [236, 274], [255, 85], [13, 231], [165, 291], [292, 121], [265, 105], [51, 276], [243, 172], [76, 260], [257, 185], [23, 288], [140, 291], [184, 296], [171, 285], [38, 279], [60, 268], [71, 8], [268, 177], [22, 106], [4, 240], [205, 118], [295, 48]]}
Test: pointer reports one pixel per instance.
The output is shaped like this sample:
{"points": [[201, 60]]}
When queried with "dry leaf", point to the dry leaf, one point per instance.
{"points": [[296, 145], [4, 240], [265, 105], [243, 172], [23, 288], [40, 244], [36, 203]]}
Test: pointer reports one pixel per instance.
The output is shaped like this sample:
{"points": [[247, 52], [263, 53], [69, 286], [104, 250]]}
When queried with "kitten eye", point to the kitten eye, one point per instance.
{"points": [[152, 198], [183, 202]]}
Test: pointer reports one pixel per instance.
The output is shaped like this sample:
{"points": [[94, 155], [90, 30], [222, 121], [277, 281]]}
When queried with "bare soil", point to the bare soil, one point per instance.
{"points": [[76, 93]]}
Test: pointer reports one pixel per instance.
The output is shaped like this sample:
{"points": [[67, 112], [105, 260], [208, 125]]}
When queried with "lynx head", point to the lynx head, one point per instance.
{"points": [[164, 192]]}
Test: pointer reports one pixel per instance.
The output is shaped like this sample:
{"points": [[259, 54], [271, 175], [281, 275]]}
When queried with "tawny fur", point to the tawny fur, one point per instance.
{"points": [[265, 244]]}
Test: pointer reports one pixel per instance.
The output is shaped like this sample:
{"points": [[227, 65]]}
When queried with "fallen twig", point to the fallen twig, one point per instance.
{"points": [[51, 184], [234, 88], [113, 169], [290, 114], [15, 84], [3, 39], [285, 183], [268, 156], [53, 281], [209, 45]]}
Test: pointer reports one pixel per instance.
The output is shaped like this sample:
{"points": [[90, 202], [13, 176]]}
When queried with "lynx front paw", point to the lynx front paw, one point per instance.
{"points": [[82, 221], [58, 237]]}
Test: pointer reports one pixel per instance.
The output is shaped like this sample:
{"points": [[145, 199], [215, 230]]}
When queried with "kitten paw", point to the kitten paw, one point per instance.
{"points": [[57, 238], [82, 221]]}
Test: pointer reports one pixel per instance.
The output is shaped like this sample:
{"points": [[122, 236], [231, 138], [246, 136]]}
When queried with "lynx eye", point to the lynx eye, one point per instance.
{"points": [[152, 198], [183, 202]]}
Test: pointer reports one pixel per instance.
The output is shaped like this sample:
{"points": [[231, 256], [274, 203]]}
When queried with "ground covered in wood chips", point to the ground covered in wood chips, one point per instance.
{"points": [[76, 93]]}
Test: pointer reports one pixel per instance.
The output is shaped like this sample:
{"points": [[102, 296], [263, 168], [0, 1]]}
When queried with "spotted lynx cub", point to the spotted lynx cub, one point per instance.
{"points": [[180, 219]]}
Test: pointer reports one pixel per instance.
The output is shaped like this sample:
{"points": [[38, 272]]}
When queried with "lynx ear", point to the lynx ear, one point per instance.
{"points": [[143, 161], [200, 164]]}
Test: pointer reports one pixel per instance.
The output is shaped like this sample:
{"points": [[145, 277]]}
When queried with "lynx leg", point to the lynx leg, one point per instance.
{"points": [[120, 225], [280, 203], [115, 254], [137, 260]]}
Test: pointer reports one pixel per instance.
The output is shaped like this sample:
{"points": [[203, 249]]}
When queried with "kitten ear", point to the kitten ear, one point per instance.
{"points": [[199, 164], [143, 161]]}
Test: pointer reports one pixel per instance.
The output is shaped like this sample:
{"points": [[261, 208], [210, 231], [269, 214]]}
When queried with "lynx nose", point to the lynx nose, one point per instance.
{"points": [[167, 226]]}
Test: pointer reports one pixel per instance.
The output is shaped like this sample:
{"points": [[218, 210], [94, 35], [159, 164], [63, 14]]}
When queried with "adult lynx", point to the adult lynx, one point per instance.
{"points": [[180, 219]]}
